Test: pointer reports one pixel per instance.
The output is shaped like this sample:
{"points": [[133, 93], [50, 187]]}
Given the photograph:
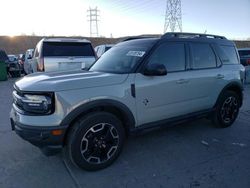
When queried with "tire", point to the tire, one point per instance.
{"points": [[95, 141], [227, 109]]}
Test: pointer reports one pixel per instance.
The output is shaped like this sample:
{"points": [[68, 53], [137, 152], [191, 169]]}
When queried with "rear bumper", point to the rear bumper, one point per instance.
{"points": [[41, 137]]}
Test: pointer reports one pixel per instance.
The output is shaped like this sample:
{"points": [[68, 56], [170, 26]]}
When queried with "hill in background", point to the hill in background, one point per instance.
{"points": [[19, 44]]}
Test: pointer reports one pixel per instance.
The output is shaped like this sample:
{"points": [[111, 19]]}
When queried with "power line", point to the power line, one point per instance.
{"points": [[173, 16], [93, 15]]}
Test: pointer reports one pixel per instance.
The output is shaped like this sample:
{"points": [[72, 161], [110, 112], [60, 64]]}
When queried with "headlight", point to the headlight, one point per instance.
{"points": [[34, 103]]}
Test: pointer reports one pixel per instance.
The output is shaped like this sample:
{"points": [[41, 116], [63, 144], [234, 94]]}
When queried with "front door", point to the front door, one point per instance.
{"points": [[162, 97]]}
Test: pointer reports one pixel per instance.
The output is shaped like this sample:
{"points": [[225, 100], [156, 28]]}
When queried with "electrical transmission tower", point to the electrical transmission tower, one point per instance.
{"points": [[93, 15], [173, 17]]}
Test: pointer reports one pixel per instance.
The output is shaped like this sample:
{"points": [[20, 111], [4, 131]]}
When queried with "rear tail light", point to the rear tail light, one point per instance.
{"points": [[248, 61], [40, 66]]}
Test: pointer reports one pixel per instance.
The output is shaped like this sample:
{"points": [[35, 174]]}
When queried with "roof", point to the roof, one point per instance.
{"points": [[139, 42], [107, 45], [123, 39], [65, 40], [188, 37], [196, 37], [191, 35]]}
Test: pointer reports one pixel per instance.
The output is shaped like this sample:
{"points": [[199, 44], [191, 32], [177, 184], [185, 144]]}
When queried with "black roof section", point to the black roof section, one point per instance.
{"points": [[139, 37], [191, 35], [197, 37], [179, 36], [147, 42]]}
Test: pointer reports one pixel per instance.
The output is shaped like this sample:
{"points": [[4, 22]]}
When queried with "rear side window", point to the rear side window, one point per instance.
{"points": [[203, 56], [170, 55], [67, 49], [228, 54]]}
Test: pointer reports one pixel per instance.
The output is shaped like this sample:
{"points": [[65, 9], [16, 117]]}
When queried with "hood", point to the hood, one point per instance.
{"points": [[59, 81]]}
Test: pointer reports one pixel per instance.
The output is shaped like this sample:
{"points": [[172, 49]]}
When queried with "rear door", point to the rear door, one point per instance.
{"points": [[61, 56], [206, 75]]}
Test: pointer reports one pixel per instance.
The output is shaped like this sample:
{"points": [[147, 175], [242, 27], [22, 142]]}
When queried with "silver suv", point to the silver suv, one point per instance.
{"points": [[136, 85], [62, 54]]}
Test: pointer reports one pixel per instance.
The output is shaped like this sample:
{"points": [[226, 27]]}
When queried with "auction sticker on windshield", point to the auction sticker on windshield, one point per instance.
{"points": [[136, 53]]}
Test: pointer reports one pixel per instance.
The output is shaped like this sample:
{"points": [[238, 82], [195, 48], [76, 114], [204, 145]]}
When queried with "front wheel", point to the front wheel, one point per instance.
{"points": [[227, 109], [95, 141]]}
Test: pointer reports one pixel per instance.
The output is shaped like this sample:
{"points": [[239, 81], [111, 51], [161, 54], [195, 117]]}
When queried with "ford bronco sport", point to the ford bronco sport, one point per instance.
{"points": [[137, 84]]}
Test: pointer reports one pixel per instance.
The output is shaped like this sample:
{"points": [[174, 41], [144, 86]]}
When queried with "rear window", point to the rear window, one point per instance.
{"points": [[228, 54], [12, 58], [67, 49], [243, 53]]}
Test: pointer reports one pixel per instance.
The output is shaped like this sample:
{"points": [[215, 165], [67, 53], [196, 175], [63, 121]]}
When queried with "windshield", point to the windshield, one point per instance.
{"points": [[11, 58], [119, 59]]}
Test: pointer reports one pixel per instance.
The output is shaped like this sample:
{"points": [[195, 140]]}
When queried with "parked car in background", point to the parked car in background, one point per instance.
{"points": [[14, 68], [62, 54], [244, 56], [21, 59], [27, 62], [101, 49]]}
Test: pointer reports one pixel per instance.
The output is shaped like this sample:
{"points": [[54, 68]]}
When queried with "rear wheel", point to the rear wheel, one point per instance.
{"points": [[95, 141], [227, 109]]}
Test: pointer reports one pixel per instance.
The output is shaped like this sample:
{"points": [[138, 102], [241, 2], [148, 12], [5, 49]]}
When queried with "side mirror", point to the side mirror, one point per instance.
{"points": [[155, 70]]}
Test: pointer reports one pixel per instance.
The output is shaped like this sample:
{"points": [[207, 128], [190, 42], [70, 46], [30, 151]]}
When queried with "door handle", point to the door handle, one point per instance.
{"points": [[220, 76], [182, 81]]}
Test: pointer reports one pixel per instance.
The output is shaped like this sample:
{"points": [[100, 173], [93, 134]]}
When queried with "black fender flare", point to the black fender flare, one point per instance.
{"points": [[87, 107], [232, 86]]}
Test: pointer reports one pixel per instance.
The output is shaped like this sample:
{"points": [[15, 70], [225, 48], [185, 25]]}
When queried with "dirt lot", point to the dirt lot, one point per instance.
{"points": [[189, 155]]}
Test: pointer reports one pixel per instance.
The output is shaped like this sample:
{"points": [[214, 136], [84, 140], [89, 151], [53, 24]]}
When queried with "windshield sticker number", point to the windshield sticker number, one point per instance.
{"points": [[136, 53]]}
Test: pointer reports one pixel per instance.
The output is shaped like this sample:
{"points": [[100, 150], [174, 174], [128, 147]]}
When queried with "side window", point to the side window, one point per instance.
{"points": [[228, 54], [172, 55], [203, 56]]}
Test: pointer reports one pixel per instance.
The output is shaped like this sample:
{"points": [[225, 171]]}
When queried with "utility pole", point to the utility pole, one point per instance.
{"points": [[93, 15], [173, 16]]}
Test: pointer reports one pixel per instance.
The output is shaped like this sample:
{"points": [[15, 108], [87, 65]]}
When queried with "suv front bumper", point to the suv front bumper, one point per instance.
{"points": [[41, 137]]}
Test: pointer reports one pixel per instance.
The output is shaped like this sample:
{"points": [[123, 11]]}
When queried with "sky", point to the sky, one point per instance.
{"points": [[230, 18]]}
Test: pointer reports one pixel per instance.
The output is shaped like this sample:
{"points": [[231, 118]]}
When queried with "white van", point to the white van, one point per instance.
{"points": [[61, 54]]}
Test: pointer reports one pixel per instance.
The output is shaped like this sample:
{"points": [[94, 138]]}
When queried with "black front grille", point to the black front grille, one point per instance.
{"points": [[17, 99]]}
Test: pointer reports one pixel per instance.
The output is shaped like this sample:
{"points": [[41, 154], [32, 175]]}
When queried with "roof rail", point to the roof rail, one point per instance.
{"points": [[191, 35]]}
